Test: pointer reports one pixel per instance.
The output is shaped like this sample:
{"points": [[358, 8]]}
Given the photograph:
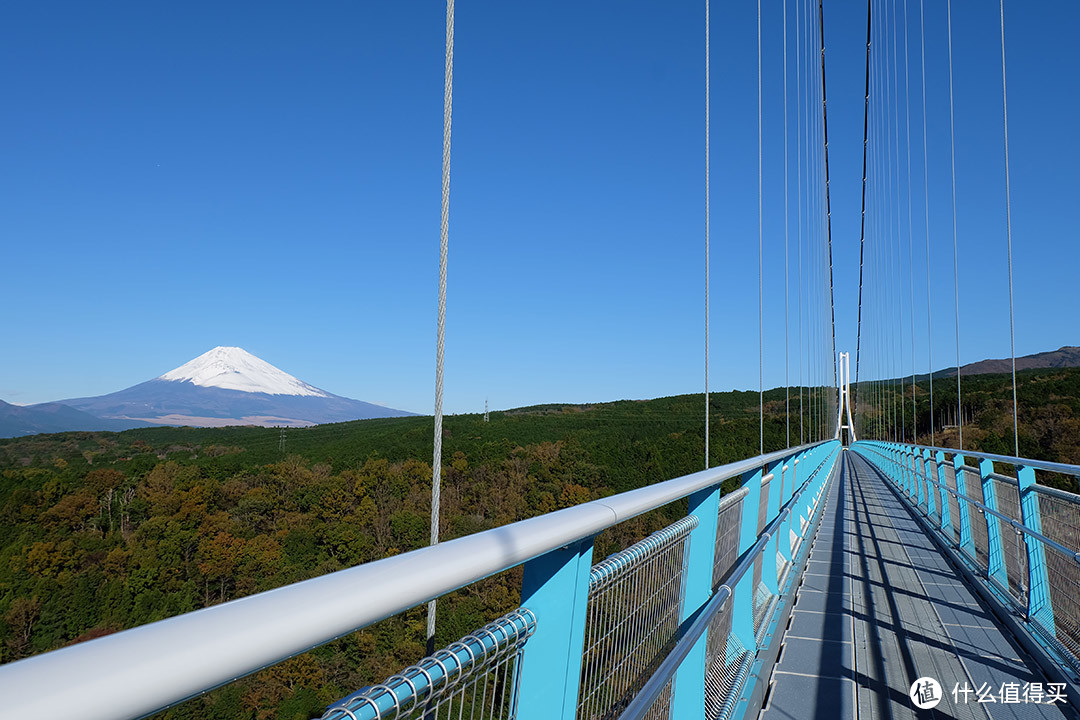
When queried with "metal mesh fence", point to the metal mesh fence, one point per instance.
{"points": [[726, 664], [1013, 548], [728, 527], [635, 598], [661, 707], [476, 677], [762, 596], [1061, 523], [977, 518]]}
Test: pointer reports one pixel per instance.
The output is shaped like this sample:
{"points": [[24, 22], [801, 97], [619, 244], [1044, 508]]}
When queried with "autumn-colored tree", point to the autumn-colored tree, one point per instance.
{"points": [[20, 617]]}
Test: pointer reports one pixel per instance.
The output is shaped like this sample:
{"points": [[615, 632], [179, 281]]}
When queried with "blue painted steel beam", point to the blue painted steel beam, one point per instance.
{"points": [[700, 558], [995, 550], [555, 587], [1040, 607], [967, 543]]}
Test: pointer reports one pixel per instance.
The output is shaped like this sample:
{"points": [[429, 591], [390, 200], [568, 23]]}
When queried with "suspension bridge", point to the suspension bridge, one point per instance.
{"points": [[863, 571]]}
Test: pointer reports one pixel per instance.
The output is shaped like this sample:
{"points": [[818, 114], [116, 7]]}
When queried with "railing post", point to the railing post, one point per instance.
{"points": [[946, 509], [1040, 607], [919, 471], [931, 488], [555, 587], [901, 472], [967, 543], [772, 509], [742, 608], [995, 565], [905, 476], [701, 556]]}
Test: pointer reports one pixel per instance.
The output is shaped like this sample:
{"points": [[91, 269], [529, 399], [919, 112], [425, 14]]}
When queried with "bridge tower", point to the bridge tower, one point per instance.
{"points": [[843, 407]]}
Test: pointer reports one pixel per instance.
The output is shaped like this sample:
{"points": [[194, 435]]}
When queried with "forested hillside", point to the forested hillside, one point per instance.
{"points": [[105, 531]]}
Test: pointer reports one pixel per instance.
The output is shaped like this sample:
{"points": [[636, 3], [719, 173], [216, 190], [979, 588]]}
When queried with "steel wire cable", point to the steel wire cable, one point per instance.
{"points": [[828, 202], [799, 197], [436, 465], [956, 253], [1008, 227], [926, 205], [862, 225], [787, 280], [761, 300], [707, 234], [911, 240]]}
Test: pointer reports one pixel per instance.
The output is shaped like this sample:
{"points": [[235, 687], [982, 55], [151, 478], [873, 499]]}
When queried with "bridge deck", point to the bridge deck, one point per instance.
{"points": [[880, 606]]}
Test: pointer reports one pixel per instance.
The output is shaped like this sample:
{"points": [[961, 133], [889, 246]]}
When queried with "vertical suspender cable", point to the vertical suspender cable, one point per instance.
{"points": [[862, 227], [761, 296], [707, 234], [799, 196], [926, 206], [828, 206], [897, 358], [1008, 228], [440, 345], [956, 252], [787, 305], [911, 240]]}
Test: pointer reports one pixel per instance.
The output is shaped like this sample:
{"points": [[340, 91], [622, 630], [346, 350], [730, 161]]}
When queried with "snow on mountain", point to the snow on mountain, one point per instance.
{"points": [[228, 386], [233, 368]]}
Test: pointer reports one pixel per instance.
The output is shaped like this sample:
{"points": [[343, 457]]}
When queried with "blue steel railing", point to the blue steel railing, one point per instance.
{"points": [[712, 586], [1022, 538]]}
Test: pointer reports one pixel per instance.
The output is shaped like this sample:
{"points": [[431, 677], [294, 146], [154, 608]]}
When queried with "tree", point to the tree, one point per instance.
{"points": [[20, 617]]}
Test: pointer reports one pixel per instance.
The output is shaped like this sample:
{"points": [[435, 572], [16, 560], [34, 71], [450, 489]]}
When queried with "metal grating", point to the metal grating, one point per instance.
{"points": [[762, 596], [979, 537], [661, 707], [635, 601], [476, 677], [1060, 520], [1013, 547], [728, 528], [726, 665]]}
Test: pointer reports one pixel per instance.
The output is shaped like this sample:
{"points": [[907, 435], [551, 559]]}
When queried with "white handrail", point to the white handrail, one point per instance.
{"points": [[137, 672]]}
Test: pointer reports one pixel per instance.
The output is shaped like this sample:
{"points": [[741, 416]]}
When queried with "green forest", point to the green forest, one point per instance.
{"points": [[106, 531]]}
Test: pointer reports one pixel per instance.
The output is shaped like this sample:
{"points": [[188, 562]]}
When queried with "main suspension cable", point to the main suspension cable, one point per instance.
{"points": [[828, 205], [862, 226]]}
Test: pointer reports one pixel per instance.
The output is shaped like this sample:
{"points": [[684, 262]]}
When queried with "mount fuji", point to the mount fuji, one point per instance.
{"points": [[228, 386]]}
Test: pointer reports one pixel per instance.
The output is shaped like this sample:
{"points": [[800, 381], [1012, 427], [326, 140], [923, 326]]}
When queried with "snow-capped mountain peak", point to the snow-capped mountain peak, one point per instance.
{"points": [[233, 368]]}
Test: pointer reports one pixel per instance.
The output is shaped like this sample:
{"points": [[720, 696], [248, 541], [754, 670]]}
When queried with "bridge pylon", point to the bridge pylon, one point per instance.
{"points": [[843, 407]]}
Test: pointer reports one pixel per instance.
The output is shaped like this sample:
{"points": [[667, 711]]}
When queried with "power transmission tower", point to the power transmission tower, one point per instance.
{"points": [[281, 442], [486, 415]]}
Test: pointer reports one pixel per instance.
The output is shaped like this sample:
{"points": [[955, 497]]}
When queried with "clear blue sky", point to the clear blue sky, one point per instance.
{"points": [[176, 177]]}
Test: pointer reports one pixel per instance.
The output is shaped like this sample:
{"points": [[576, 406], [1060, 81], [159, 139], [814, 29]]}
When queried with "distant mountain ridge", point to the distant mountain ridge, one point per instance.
{"points": [[1067, 356], [224, 386], [1063, 357], [18, 420]]}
